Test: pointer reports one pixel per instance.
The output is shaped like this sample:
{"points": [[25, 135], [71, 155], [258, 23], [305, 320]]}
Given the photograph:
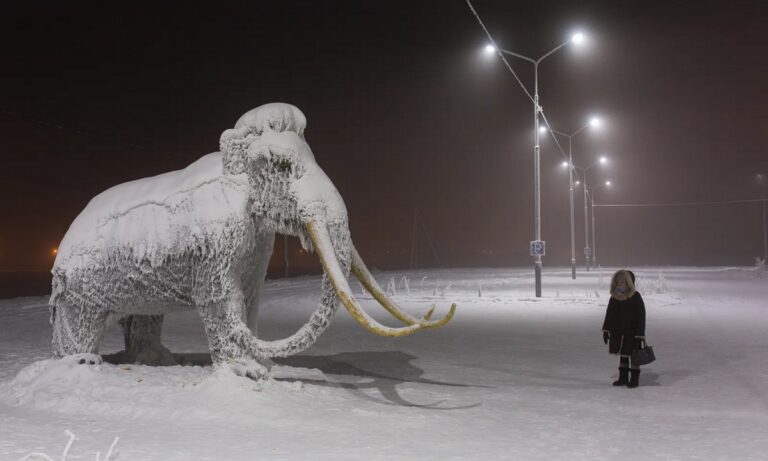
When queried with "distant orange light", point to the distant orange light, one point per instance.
{"points": [[54, 251]]}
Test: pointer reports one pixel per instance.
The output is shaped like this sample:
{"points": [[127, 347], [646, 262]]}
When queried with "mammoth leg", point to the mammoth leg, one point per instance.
{"points": [[142, 340], [229, 336], [253, 278], [78, 327]]}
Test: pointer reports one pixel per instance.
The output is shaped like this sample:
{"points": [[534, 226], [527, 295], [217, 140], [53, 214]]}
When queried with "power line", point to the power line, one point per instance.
{"points": [[509, 67], [723, 202], [498, 51]]}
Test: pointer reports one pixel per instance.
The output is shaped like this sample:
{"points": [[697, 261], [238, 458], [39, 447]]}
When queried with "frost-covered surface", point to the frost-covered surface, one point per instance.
{"points": [[111, 454], [200, 238], [152, 215], [511, 377]]}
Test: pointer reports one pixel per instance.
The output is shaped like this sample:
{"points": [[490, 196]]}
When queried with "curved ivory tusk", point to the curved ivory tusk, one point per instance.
{"points": [[370, 284], [322, 242]]}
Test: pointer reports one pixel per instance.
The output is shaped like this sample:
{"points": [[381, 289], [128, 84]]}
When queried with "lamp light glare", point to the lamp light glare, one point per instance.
{"points": [[578, 38], [542, 129], [603, 160], [607, 184], [595, 122], [489, 49], [564, 164], [577, 182]]}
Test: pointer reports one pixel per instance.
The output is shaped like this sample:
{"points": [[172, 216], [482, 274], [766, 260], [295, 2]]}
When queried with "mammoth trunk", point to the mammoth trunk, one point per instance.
{"points": [[320, 319]]}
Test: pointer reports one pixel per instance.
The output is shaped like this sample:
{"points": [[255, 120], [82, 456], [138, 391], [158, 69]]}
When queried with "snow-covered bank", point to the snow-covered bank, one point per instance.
{"points": [[512, 377]]}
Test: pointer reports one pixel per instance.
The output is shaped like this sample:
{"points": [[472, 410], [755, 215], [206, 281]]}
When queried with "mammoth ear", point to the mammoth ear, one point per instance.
{"points": [[234, 149]]}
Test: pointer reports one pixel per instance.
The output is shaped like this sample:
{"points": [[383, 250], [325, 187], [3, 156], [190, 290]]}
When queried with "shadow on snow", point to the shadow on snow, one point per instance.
{"points": [[349, 370]]}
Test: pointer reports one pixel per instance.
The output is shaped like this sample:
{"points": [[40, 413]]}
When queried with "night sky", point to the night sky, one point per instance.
{"points": [[403, 111]]}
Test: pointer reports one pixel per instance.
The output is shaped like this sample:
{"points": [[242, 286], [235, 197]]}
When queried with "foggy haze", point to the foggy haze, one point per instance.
{"points": [[404, 111]]}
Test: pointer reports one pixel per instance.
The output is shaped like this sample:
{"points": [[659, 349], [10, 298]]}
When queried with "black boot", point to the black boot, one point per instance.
{"points": [[623, 377], [634, 380]]}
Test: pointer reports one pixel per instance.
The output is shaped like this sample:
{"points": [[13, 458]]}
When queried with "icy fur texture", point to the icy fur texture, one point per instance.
{"points": [[201, 238]]}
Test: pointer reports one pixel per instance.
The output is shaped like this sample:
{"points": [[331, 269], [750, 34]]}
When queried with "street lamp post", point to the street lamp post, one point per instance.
{"points": [[762, 182], [592, 203], [594, 123], [573, 228], [537, 246], [588, 251], [765, 233]]}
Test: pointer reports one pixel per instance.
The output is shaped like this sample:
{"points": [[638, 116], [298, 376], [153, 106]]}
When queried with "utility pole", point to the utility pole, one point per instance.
{"points": [[761, 180], [287, 264], [413, 240]]}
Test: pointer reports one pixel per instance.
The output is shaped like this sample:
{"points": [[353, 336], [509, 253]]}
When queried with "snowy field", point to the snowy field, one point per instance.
{"points": [[511, 377]]}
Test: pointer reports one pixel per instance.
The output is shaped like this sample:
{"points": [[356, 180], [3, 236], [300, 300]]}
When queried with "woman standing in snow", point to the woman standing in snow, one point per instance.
{"points": [[624, 326]]}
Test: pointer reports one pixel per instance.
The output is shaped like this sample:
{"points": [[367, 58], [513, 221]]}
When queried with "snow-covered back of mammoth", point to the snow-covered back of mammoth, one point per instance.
{"points": [[264, 164], [154, 217]]}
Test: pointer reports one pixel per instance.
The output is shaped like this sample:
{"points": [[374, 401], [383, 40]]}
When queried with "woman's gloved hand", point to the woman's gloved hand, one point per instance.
{"points": [[606, 336], [639, 343]]}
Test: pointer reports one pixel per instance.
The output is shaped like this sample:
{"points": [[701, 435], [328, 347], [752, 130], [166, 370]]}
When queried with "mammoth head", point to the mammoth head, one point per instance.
{"points": [[292, 195], [288, 186]]}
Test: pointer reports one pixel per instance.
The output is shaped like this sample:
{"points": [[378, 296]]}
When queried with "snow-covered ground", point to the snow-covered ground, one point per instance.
{"points": [[511, 377]]}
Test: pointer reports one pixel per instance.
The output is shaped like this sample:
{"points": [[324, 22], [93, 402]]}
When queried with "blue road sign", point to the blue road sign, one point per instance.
{"points": [[538, 248]]}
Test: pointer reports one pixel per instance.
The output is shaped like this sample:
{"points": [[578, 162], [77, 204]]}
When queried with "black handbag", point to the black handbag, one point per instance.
{"points": [[643, 356]]}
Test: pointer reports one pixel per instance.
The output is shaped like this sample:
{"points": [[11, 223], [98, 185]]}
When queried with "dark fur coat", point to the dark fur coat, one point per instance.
{"points": [[625, 316]]}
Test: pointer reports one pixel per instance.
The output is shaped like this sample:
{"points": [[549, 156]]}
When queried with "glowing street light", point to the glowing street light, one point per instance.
{"points": [[564, 164], [578, 38], [489, 49], [595, 122], [603, 160]]}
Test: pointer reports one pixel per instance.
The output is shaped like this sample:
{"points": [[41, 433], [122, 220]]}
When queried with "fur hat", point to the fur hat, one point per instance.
{"points": [[629, 277]]}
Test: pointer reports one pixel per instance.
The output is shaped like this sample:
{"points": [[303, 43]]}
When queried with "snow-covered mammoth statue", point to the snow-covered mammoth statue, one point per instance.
{"points": [[201, 238]]}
